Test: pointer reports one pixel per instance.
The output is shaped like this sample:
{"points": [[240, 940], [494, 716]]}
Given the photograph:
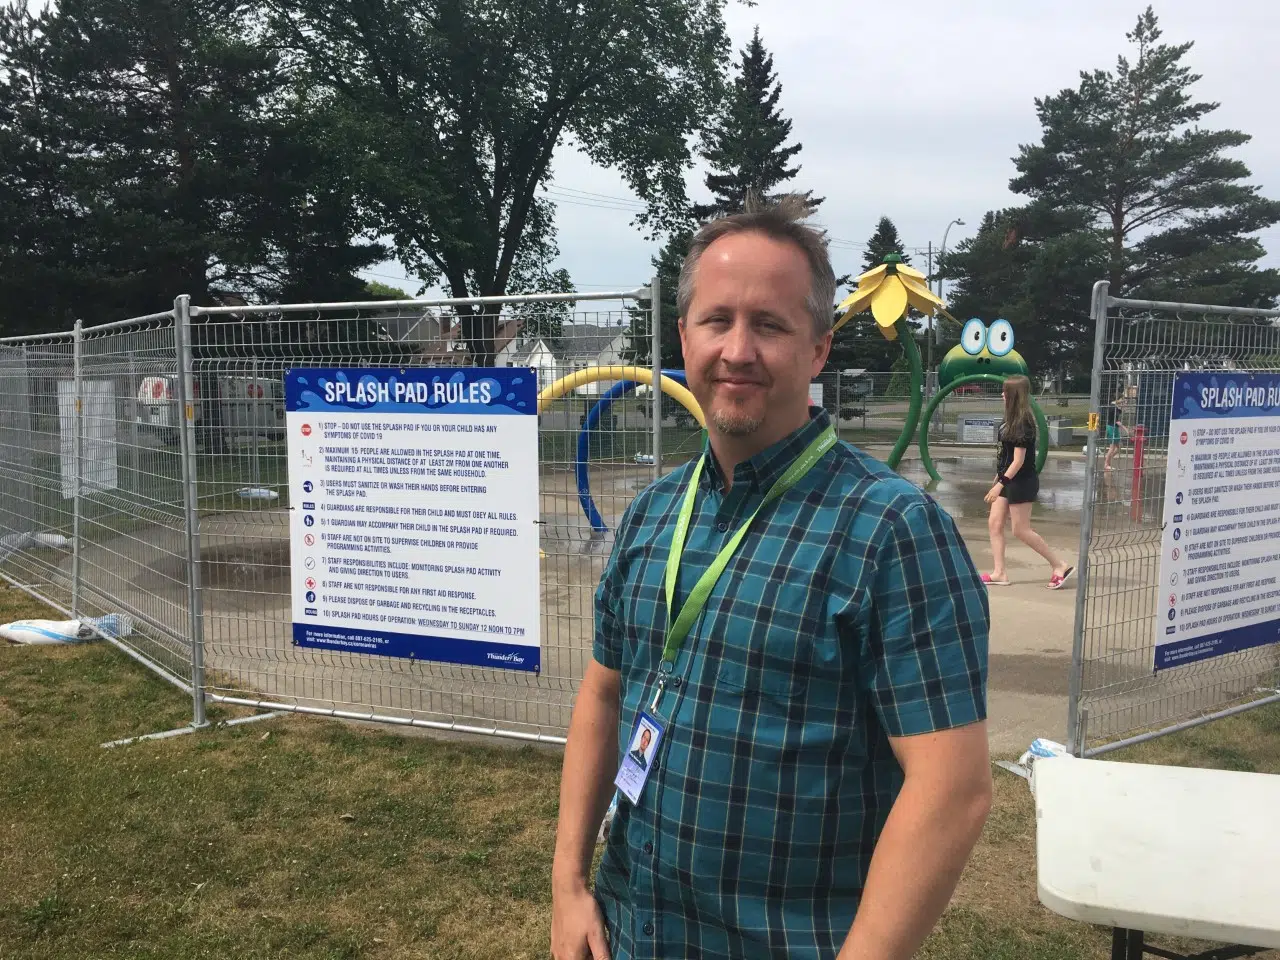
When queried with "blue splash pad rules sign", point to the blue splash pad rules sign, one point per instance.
{"points": [[1219, 588], [413, 513]]}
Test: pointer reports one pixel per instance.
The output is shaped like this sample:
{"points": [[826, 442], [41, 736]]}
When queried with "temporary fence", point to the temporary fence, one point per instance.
{"points": [[145, 472], [1116, 696]]}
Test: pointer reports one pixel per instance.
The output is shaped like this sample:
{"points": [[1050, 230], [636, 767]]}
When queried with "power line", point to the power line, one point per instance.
{"points": [[596, 196]]}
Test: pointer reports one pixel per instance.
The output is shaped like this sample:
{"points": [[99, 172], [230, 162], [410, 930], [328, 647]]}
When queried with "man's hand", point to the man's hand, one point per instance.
{"points": [[577, 926], [586, 784]]}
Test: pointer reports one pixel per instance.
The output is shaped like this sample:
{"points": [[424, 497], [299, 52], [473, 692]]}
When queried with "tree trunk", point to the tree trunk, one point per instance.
{"points": [[480, 331]]}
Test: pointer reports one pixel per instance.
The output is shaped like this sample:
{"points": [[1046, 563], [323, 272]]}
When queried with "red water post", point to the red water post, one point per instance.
{"points": [[1135, 494]]}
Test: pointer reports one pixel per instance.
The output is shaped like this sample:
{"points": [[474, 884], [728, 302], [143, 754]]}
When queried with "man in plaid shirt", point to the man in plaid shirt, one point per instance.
{"points": [[821, 772]]}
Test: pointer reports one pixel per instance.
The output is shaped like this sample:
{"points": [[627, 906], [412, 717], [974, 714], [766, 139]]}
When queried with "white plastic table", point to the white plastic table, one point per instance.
{"points": [[1169, 850]]}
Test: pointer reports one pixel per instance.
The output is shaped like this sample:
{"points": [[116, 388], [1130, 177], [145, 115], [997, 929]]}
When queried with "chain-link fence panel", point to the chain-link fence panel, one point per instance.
{"points": [[1117, 696], [596, 452], [38, 443]]}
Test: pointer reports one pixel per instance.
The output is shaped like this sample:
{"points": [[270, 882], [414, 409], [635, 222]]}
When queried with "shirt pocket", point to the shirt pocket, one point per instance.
{"points": [[770, 656]]}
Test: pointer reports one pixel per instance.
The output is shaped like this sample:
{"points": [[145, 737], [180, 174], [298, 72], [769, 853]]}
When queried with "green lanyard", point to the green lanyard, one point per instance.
{"points": [[676, 632]]}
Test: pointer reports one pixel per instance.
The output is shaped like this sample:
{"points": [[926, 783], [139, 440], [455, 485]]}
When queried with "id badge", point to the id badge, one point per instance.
{"points": [[638, 760]]}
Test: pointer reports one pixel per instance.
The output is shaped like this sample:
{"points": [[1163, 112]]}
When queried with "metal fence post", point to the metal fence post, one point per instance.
{"points": [[655, 323], [1075, 744], [256, 407], [77, 434], [191, 515]]}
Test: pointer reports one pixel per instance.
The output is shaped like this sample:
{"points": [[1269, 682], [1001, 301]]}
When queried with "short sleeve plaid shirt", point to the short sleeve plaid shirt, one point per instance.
{"points": [[850, 613]]}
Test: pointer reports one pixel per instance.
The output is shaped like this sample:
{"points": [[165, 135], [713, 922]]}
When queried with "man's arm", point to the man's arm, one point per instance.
{"points": [[926, 650], [586, 785], [926, 840]]}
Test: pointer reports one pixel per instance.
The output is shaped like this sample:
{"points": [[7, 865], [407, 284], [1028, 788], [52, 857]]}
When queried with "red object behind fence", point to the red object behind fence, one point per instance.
{"points": [[1135, 495]]}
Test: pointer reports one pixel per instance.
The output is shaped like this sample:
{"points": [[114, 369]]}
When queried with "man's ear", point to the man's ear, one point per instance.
{"points": [[822, 350]]}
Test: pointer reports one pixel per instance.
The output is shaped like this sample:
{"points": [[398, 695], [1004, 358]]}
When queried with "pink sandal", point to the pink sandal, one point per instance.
{"points": [[992, 582], [1056, 582]]}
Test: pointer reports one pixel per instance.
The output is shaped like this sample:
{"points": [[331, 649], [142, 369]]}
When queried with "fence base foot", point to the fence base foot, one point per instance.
{"points": [[190, 728]]}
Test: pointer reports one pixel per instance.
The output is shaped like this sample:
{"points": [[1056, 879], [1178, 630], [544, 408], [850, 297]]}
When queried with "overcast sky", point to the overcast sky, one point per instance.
{"points": [[915, 112]]}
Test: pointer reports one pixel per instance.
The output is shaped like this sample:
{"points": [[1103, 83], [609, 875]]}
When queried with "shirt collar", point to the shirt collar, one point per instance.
{"points": [[766, 467]]}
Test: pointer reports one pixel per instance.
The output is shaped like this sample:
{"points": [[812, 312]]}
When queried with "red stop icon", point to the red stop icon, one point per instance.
{"points": [[306, 431], [311, 583]]}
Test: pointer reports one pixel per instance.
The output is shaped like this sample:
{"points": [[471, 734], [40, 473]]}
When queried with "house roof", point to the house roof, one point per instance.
{"points": [[583, 341], [424, 330], [522, 354]]}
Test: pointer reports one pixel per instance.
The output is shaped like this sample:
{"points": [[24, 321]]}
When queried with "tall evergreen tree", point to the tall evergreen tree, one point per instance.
{"points": [[746, 147], [881, 243], [159, 147], [1125, 151]]}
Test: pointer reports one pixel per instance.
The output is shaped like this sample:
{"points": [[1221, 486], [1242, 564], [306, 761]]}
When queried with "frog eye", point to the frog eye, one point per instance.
{"points": [[1000, 339], [973, 337]]}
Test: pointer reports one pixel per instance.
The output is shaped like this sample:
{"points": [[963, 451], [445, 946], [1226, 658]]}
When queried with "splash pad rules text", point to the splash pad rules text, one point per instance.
{"points": [[1219, 588], [414, 502]]}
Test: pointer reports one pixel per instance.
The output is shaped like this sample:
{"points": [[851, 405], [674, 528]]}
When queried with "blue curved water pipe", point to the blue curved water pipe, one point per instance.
{"points": [[621, 388]]}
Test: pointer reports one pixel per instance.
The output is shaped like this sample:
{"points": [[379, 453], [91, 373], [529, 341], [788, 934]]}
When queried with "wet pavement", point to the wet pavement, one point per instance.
{"points": [[966, 480]]}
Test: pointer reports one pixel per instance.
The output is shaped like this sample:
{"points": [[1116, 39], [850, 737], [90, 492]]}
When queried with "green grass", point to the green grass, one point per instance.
{"points": [[305, 838]]}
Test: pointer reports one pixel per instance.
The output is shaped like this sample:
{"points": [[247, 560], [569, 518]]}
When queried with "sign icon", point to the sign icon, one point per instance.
{"points": [[311, 596], [1172, 613], [308, 486], [1177, 533], [309, 520], [309, 563], [1173, 579], [311, 583], [306, 432], [1176, 553], [309, 540], [1184, 436], [1173, 600], [1178, 499]]}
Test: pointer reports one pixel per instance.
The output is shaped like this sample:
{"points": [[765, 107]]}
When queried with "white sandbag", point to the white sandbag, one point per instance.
{"points": [[257, 493], [48, 632]]}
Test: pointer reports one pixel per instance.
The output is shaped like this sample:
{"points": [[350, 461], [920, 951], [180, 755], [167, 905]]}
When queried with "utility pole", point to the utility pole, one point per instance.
{"points": [[942, 253], [933, 318]]}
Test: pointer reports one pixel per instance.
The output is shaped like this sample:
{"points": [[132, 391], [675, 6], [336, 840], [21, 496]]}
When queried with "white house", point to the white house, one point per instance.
{"points": [[530, 353], [579, 346]]}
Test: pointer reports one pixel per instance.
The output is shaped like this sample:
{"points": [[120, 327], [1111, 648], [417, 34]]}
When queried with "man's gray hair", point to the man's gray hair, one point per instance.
{"points": [[781, 219]]}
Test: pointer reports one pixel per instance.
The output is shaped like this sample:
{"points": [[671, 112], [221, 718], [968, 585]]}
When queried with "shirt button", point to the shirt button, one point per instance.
{"points": [[648, 929], [722, 527], [675, 682], [648, 846]]}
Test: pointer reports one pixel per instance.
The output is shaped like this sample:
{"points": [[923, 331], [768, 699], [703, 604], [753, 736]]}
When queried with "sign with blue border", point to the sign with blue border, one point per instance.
{"points": [[1219, 587], [414, 509]]}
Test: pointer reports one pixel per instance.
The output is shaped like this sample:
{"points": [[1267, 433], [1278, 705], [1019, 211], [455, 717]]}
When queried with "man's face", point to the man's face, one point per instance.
{"points": [[645, 737], [749, 348]]}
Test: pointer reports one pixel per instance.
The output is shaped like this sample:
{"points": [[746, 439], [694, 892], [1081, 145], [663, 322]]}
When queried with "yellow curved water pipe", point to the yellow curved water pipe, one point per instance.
{"points": [[639, 374]]}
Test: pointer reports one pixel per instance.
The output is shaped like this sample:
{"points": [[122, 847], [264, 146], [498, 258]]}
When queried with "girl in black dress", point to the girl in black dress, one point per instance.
{"points": [[1016, 487]]}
